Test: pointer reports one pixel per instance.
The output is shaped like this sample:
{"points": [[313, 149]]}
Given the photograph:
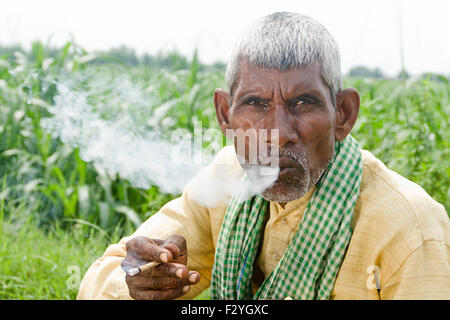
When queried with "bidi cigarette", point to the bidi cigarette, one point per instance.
{"points": [[135, 271]]}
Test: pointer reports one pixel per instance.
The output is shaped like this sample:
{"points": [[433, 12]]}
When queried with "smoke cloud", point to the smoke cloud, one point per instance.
{"points": [[107, 119]]}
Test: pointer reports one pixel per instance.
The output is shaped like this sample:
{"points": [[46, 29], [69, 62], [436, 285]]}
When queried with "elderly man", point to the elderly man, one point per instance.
{"points": [[336, 223]]}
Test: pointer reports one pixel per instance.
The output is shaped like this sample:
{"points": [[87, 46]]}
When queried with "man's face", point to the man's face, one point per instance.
{"points": [[297, 103]]}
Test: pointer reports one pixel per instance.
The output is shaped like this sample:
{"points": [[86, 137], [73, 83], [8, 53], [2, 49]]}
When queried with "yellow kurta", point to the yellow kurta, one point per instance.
{"points": [[400, 234]]}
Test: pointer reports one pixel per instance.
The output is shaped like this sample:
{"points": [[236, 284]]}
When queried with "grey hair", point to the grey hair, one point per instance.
{"points": [[285, 40]]}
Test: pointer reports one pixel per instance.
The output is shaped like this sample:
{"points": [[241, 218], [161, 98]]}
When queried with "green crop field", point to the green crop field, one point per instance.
{"points": [[58, 212]]}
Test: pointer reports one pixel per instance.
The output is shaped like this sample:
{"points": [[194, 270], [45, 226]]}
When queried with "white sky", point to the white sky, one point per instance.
{"points": [[367, 31]]}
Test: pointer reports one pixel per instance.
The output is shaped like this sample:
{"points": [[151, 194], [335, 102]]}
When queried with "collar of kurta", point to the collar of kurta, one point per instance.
{"points": [[310, 264]]}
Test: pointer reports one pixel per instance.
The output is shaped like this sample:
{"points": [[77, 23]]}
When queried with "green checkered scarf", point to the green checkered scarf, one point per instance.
{"points": [[312, 259]]}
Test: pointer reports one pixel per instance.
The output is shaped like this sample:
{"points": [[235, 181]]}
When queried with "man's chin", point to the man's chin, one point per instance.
{"points": [[283, 194]]}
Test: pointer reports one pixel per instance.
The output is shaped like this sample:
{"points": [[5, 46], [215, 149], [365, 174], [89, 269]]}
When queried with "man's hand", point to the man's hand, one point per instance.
{"points": [[169, 280]]}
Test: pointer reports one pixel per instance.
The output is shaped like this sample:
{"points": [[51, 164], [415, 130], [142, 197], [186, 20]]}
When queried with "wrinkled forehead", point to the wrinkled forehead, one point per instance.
{"points": [[268, 80]]}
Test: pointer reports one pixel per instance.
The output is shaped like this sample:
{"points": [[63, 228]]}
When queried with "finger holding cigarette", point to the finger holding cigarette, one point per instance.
{"points": [[156, 269]]}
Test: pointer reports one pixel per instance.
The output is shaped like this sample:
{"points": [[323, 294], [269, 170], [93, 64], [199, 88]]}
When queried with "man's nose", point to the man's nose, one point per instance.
{"points": [[280, 120]]}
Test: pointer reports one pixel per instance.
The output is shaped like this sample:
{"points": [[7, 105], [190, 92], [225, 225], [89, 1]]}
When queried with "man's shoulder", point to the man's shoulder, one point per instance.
{"points": [[398, 207]]}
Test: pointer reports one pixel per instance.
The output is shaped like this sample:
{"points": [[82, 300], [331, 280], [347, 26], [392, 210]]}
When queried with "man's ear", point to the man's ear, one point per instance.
{"points": [[222, 104], [347, 108]]}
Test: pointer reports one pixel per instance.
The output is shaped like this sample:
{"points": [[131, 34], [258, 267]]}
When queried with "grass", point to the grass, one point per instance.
{"points": [[59, 213], [36, 264]]}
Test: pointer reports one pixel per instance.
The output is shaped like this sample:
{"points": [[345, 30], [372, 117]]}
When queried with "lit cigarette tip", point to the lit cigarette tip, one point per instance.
{"points": [[134, 271]]}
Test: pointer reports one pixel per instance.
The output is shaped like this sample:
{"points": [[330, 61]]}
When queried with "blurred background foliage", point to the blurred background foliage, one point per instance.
{"points": [[47, 190]]}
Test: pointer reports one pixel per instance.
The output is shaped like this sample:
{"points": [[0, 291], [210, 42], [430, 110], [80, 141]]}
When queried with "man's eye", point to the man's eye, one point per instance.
{"points": [[256, 102], [304, 100]]}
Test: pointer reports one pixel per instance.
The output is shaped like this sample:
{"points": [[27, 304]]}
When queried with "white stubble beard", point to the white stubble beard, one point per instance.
{"points": [[307, 181]]}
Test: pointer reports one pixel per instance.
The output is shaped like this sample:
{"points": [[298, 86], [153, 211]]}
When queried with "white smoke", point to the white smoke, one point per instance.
{"points": [[107, 120]]}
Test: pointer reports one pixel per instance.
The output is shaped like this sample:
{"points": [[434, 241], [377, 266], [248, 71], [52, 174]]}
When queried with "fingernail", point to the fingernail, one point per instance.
{"points": [[186, 289], [193, 278], [164, 257], [179, 273]]}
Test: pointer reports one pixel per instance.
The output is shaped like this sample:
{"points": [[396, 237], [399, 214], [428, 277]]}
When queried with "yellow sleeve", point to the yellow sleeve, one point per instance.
{"points": [[404, 232], [422, 269], [425, 274], [105, 279], [198, 224]]}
